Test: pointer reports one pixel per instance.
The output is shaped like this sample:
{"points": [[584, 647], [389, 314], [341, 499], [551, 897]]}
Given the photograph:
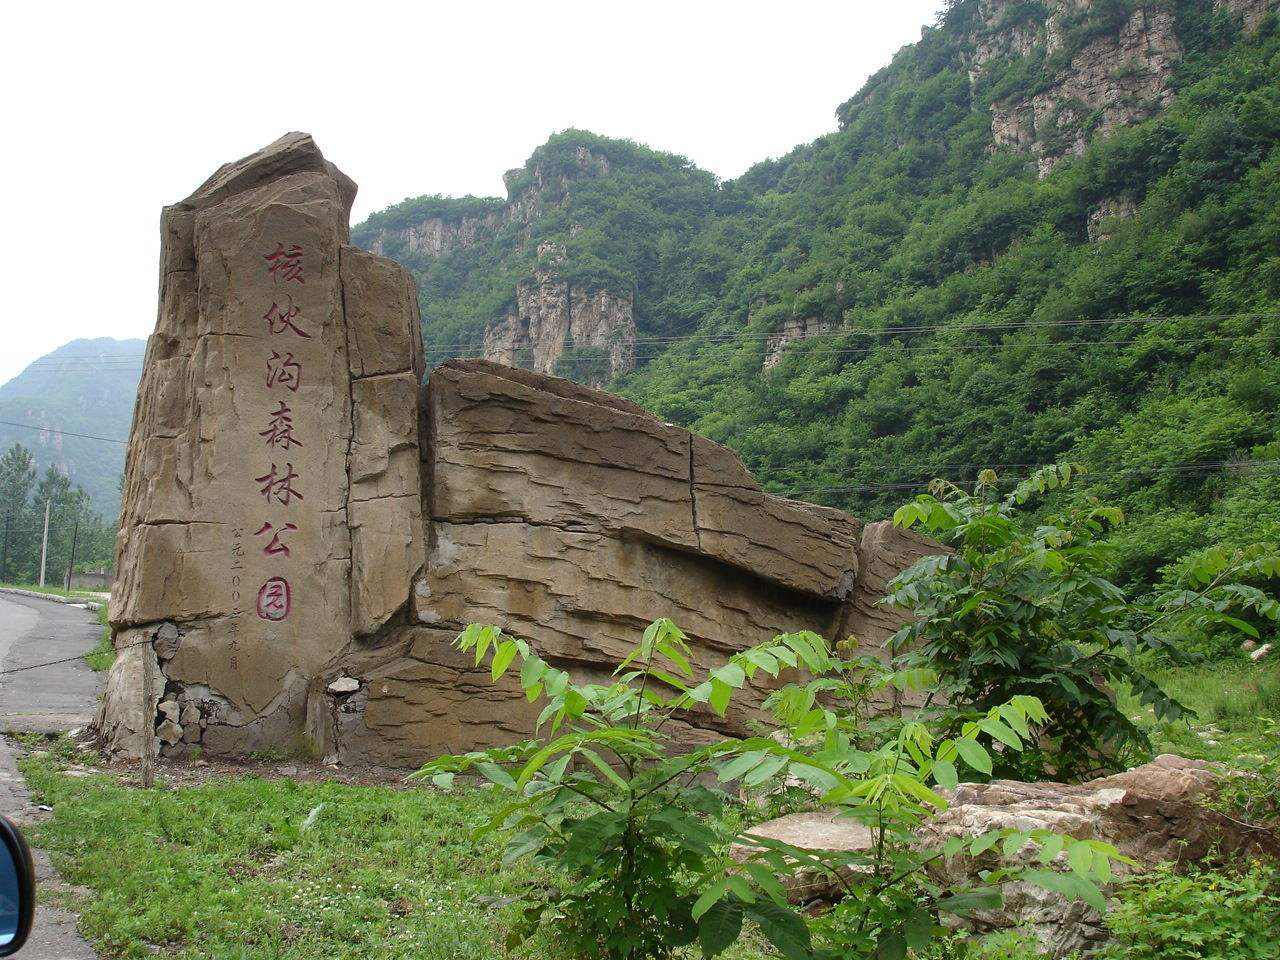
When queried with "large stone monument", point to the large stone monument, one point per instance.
{"points": [[305, 527]]}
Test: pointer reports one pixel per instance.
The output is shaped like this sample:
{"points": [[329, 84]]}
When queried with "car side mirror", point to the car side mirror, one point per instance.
{"points": [[17, 889]]}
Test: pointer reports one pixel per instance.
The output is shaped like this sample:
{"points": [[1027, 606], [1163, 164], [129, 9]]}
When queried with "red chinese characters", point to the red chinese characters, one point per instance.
{"points": [[279, 319], [276, 546], [275, 600], [285, 264], [279, 432], [285, 371], [279, 487]]}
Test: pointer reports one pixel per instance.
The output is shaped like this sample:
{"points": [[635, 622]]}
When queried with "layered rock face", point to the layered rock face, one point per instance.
{"points": [[1114, 80], [306, 528], [584, 332], [587, 335]]}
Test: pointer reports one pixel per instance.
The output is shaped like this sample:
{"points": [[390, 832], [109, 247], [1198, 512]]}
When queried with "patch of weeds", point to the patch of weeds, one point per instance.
{"points": [[103, 655], [1196, 912], [226, 869]]}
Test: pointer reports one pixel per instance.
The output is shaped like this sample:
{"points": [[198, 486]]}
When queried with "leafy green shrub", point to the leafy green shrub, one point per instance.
{"points": [[1197, 914], [1027, 609], [637, 842]]}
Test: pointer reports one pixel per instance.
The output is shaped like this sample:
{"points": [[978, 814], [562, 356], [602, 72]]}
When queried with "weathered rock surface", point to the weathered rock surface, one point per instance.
{"points": [[1106, 214], [1250, 12], [306, 529], [1114, 80], [587, 334], [797, 328], [1153, 813]]}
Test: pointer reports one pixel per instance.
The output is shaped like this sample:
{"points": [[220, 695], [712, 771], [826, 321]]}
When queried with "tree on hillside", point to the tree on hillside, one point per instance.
{"points": [[76, 533], [17, 477]]}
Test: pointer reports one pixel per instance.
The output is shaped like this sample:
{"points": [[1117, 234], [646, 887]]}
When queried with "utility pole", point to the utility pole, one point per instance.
{"points": [[75, 533], [44, 544], [4, 559]]}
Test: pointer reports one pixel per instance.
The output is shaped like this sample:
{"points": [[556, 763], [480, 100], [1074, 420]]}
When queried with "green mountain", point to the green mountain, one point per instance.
{"points": [[84, 387], [1047, 230]]}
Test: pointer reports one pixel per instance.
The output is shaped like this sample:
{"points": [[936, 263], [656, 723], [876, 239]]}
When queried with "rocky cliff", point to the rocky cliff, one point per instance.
{"points": [[306, 529], [1095, 76], [587, 335], [582, 330], [1112, 80]]}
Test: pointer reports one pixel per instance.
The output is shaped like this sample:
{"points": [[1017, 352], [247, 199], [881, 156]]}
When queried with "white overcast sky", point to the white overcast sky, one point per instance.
{"points": [[113, 110]]}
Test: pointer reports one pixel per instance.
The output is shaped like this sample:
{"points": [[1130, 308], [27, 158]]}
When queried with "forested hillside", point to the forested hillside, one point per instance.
{"points": [[1045, 231], [84, 387]]}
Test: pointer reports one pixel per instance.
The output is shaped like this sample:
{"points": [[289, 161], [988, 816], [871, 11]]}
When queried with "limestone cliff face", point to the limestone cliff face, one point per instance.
{"points": [[1250, 12], [584, 334], [795, 328], [437, 236], [1114, 80]]}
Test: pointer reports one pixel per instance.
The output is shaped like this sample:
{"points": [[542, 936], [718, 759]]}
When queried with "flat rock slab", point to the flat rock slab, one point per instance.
{"points": [[46, 699]]}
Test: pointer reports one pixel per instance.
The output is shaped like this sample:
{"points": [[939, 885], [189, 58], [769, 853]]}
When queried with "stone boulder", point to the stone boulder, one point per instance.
{"points": [[1153, 813], [306, 528]]}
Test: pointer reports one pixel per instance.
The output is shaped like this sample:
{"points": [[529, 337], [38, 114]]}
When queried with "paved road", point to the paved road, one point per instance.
{"points": [[45, 700], [50, 699]]}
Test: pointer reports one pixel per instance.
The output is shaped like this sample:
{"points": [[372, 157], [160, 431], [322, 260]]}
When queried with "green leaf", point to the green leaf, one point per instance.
{"points": [[892, 946], [782, 927], [740, 765], [531, 672], [764, 771], [709, 897], [1000, 731], [497, 775], [767, 882], [599, 763], [502, 659], [730, 673], [719, 927], [967, 901], [721, 694], [984, 843], [1070, 885], [1051, 847], [918, 929], [944, 772], [974, 754], [1080, 856]]}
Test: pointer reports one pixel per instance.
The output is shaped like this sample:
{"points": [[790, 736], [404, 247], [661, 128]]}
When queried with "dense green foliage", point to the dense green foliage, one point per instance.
{"points": [[73, 525], [618, 208], [1018, 608], [980, 325], [1199, 913], [636, 845]]}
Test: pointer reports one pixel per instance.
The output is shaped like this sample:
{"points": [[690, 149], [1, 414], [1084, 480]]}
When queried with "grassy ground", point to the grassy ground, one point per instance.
{"points": [[1237, 705], [104, 652], [225, 868]]}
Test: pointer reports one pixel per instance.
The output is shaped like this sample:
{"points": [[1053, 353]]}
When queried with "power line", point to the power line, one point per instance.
{"points": [[61, 433], [1208, 466], [471, 347]]}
